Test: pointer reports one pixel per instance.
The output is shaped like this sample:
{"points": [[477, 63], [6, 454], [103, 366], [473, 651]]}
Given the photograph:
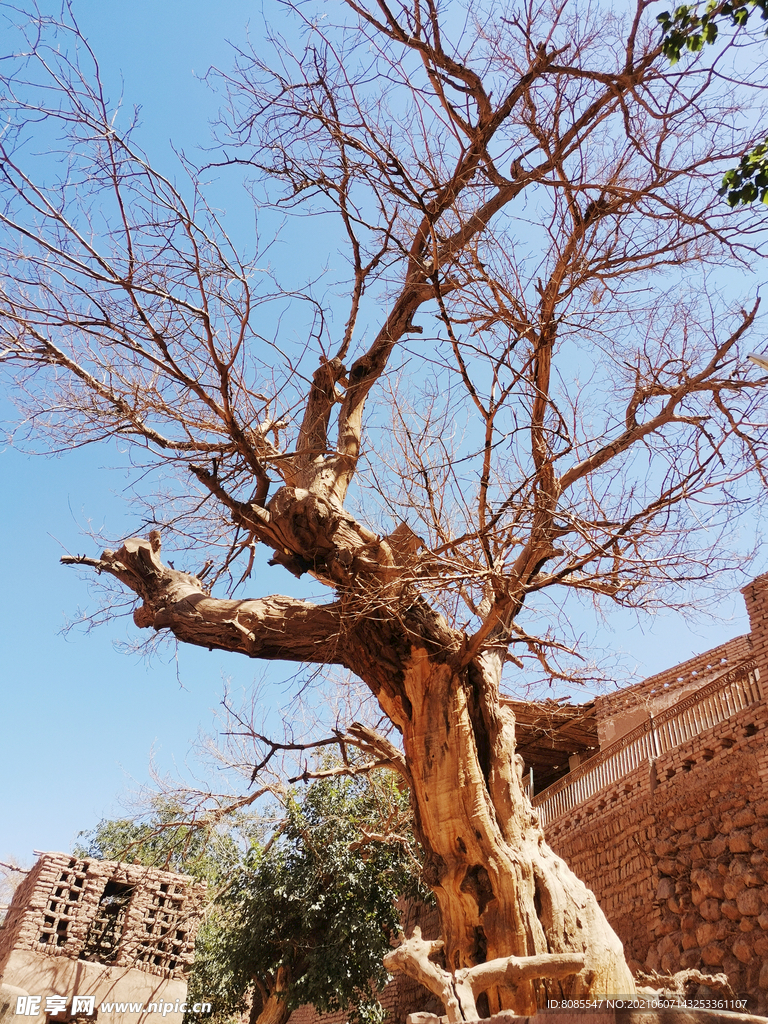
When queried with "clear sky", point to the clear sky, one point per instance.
{"points": [[79, 719]]}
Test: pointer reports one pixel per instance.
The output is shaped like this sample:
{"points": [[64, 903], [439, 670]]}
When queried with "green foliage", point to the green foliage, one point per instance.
{"points": [[314, 895], [749, 181], [168, 840], [690, 29], [318, 901]]}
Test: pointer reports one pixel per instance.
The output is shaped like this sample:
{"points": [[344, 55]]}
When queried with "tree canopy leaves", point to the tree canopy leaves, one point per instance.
{"points": [[316, 904], [748, 181], [312, 901], [166, 839], [688, 28]]}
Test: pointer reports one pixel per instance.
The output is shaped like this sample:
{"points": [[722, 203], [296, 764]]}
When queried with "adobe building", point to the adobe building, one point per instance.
{"points": [[657, 797], [90, 928]]}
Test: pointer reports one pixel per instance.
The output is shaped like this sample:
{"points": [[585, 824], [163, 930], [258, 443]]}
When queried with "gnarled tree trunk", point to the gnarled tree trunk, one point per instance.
{"points": [[602, 404], [503, 894], [268, 1003]]}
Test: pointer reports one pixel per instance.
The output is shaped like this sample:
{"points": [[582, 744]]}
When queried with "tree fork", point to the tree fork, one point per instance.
{"points": [[501, 891]]}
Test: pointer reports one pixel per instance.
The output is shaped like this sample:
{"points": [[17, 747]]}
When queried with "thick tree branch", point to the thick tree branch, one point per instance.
{"points": [[268, 628], [313, 436]]}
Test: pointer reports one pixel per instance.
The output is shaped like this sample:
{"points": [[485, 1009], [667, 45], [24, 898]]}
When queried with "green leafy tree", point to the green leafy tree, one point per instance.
{"points": [[748, 181], [168, 839], [301, 914], [308, 916], [690, 28]]}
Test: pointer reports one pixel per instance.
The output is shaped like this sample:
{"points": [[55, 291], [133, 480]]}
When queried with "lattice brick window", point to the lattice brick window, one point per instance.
{"points": [[62, 906], [106, 928], [165, 929]]}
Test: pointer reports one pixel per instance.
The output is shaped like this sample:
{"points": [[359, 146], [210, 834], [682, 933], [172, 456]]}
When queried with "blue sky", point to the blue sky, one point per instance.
{"points": [[79, 718]]}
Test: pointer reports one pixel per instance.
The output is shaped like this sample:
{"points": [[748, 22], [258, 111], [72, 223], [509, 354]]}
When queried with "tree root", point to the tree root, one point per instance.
{"points": [[459, 990]]}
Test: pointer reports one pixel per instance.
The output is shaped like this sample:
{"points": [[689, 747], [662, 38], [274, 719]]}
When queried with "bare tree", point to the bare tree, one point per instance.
{"points": [[11, 877], [529, 387]]}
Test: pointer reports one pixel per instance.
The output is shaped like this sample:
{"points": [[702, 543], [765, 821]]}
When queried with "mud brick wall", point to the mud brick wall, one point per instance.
{"points": [[756, 599], [394, 998], [18, 929], [677, 854], [58, 909], [608, 842]]}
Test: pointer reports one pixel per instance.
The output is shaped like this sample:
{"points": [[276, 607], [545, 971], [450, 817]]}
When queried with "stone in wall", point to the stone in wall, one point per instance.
{"points": [[678, 856], [712, 876]]}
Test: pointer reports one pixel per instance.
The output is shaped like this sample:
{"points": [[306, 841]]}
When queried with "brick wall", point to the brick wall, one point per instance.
{"points": [[756, 599], [62, 909], [617, 713], [677, 855]]}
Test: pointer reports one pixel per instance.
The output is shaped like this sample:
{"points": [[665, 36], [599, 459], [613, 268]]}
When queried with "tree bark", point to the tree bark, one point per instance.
{"points": [[269, 1005], [267, 628], [503, 894], [273, 1011], [149, 340], [459, 989]]}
